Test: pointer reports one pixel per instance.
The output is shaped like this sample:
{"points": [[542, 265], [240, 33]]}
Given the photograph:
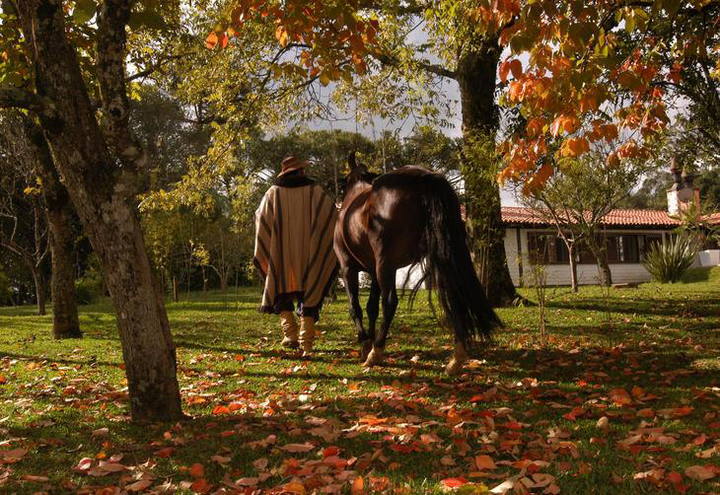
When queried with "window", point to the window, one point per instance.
{"points": [[547, 249], [612, 248], [630, 249]]}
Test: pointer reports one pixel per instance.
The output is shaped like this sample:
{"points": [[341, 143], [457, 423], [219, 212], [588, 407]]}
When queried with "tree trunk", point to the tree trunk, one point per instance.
{"points": [[62, 239], [476, 77], [175, 289], [573, 266], [40, 290], [66, 324], [224, 280], [104, 193], [604, 272]]}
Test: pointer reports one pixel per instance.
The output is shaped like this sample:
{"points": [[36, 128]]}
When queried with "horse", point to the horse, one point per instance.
{"points": [[398, 219]]}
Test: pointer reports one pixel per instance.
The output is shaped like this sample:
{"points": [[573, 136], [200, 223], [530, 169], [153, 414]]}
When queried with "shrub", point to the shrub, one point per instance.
{"points": [[89, 288], [667, 262]]}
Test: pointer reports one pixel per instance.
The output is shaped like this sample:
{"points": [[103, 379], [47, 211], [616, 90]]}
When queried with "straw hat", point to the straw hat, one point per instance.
{"points": [[290, 164]]}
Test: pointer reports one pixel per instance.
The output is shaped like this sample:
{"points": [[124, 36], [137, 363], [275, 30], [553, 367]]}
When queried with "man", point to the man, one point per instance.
{"points": [[294, 251]]}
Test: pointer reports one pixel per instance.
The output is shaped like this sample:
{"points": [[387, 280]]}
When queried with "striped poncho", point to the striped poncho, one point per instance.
{"points": [[294, 243]]}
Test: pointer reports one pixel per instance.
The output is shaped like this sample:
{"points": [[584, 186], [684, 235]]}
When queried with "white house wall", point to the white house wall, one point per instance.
{"points": [[560, 274]]}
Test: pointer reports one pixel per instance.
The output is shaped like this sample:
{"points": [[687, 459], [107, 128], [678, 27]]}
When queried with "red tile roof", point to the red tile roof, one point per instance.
{"points": [[656, 218]]}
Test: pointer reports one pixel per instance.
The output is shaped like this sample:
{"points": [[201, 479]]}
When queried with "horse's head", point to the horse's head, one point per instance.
{"points": [[359, 174]]}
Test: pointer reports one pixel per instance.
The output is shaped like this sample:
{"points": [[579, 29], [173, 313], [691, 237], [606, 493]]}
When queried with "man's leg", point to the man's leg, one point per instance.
{"points": [[288, 323], [308, 332]]}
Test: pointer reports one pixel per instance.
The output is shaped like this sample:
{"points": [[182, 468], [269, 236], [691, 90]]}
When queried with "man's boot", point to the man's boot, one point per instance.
{"points": [[290, 329], [307, 333]]}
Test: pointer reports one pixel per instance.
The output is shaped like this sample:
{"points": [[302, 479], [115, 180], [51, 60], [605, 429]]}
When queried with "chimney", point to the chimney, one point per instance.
{"points": [[683, 192]]}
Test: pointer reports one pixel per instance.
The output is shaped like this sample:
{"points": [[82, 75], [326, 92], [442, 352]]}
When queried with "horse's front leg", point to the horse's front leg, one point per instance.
{"points": [[389, 300], [350, 277]]}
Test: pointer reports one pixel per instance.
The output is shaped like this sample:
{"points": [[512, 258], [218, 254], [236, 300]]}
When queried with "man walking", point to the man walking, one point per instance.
{"points": [[294, 251]]}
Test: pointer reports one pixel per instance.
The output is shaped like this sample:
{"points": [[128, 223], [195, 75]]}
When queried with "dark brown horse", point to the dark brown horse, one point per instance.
{"points": [[398, 219]]}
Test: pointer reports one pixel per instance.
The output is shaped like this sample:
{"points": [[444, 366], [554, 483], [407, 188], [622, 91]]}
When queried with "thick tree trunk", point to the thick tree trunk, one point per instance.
{"points": [[103, 195], [66, 324], [62, 240], [476, 77]]}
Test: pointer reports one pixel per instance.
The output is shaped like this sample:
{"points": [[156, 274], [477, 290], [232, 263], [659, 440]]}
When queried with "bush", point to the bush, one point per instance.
{"points": [[667, 262], [89, 288]]}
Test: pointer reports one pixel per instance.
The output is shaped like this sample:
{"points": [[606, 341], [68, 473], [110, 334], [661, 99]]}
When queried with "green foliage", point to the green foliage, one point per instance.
{"points": [[668, 261], [90, 288]]}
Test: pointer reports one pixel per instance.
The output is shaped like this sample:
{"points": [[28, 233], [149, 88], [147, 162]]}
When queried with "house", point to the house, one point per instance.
{"points": [[628, 234]]}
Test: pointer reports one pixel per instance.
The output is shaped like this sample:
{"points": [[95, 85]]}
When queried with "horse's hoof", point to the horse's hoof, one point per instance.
{"points": [[454, 367], [374, 358], [365, 352]]}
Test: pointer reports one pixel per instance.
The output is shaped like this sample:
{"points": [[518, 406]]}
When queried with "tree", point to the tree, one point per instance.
{"points": [[577, 199], [25, 141], [472, 53], [604, 68], [100, 165], [23, 223]]}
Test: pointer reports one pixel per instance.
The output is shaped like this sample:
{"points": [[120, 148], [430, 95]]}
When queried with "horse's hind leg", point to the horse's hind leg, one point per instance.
{"points": [[373, 311], [460, 356], [352, 285], [389, 299]]}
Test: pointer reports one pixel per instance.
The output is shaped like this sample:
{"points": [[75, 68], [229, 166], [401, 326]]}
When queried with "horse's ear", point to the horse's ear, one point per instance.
{"points": [[352, 163]]}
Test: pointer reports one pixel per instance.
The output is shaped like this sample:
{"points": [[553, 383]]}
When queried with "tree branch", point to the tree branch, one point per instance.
{"points": [[420, 64], [111, 48], [20, 98]]}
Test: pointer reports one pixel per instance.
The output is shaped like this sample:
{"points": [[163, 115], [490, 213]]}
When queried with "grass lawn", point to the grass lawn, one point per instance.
{"points": [[622, 400]]}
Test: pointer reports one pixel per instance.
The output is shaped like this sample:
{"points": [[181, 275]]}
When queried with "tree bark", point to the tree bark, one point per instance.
{"points": [[480, 121], [40, 289], [62, 239], [175, 289], [604, 271], [103, 192], [573, 266]]}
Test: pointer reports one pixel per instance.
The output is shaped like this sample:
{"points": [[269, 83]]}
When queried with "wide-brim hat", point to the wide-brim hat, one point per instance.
{"points": [[290, 164]]}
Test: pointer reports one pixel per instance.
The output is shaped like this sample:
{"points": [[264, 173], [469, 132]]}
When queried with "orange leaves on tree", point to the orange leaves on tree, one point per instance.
{"points": [[214, 40], [510, 66], [564, 123], [535, 126], [538, 179], [574, 147], [332, 39]]}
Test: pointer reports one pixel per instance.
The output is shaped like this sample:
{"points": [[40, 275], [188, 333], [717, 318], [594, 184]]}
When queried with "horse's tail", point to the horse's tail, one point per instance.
{"points": [[450, 268]]}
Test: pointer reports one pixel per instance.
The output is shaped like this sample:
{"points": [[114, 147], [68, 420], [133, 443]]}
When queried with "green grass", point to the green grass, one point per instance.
{"points": [[663, 339]]}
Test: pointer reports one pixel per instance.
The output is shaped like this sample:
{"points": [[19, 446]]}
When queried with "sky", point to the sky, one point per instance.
{"points": [[378, 125]]}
